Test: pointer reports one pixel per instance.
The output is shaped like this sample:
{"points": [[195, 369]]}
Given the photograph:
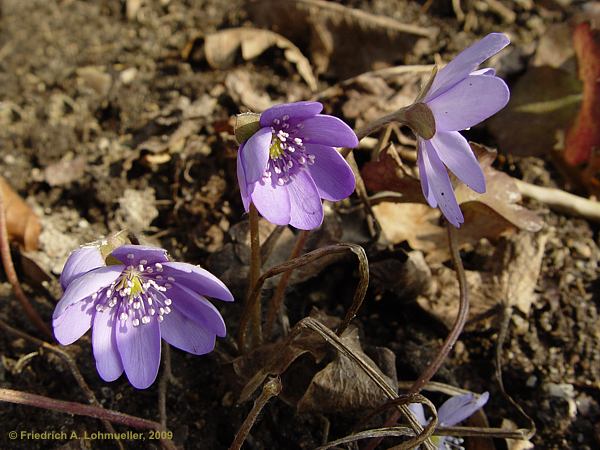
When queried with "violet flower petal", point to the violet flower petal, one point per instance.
{"points": [[272, 202], [139, 348], [80, 262], [327, 130], [440, 185], [198, 309], [427, 192], [182, 332], [458, 408], [74, 322], [306, 210], [466, 62], [331, 173], [86, 285], [131, 255], [241, 176], [469, 102], [419, 412], [455, 152], [197, 279], [256, 154], [297, 110], [104, 345]]}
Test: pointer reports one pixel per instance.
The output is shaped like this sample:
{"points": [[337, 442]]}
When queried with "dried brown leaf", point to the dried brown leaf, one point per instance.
{"points": [[23, 224], [489, 215], [222, 47], [517, 263], [340, 387]]}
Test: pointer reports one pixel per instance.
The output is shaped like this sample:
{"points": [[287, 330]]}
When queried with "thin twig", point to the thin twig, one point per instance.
{"points": [[277, 299], [255, 265], [271, 389], [11, 275], [461, 318], [163, 385], [561, 201]]}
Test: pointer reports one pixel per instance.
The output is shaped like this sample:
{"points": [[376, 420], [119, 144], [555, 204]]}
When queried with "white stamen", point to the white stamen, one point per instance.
{"points": [[145, 319], [135, 322], [123, 317], [168, 301]]}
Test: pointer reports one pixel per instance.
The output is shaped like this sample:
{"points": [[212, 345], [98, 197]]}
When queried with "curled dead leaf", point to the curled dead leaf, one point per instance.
{"points": [[221, 49], [23, 224]]}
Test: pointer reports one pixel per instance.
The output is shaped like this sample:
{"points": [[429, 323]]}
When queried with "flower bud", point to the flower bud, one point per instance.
{"points": [[246, 124]]}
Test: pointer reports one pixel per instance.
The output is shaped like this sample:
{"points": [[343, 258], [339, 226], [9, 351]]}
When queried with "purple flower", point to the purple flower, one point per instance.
{"points": [[459, 98], [453, 411], [290, 164], [130, 302]]}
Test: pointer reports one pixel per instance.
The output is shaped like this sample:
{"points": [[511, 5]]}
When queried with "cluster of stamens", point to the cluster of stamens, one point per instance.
{"points": [[138, 293], [287, 154]]}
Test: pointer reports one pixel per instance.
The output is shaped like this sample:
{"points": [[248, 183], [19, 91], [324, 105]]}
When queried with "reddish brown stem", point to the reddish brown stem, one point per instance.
{"points": [[255, 265], [277, 299], [40, 401], [271, 388], [461, 318], [11, 275]]}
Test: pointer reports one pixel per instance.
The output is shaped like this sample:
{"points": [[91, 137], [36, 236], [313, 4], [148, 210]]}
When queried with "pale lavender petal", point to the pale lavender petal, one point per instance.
{"points": [[306, 208], [198, 309], [73, 322], [455, 152], [327, 130], [104, 345], [331, 173], [417, 410], [197, 279], [256, 154], [272, 202], [80, 262], [242, 180], [298, 110], [466, 62], [133, 255], [139, 348], [440, 185], [86, 285], [469, 102], [427, 192], [186, 334], [458, 408]]}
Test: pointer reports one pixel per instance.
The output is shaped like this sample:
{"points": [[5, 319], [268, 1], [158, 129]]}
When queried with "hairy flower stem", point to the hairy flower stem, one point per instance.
{"points": [[271, 388], [370, 128], [277, 299], [459, 324], [255, 265], [11, 275]]}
